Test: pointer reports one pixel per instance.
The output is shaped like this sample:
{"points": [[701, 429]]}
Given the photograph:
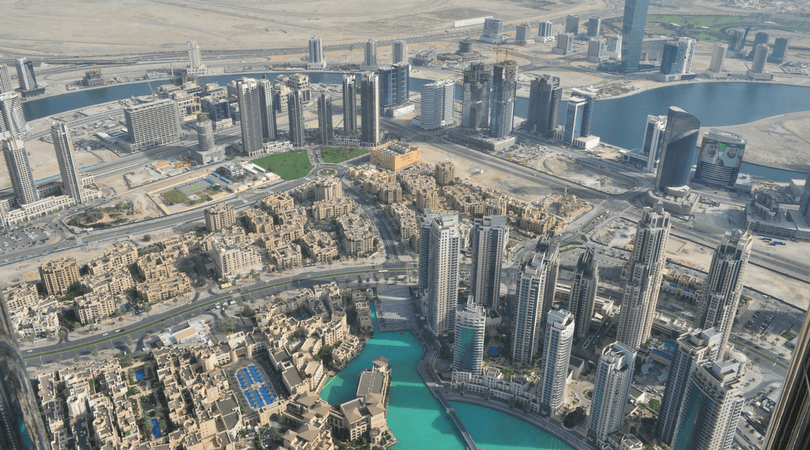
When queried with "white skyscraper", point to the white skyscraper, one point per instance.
{"points": [[535, 293], [370, 55], [718, 57], [614, 375], [489, 238], [19, 169], [250, 115], [711, 407], [717, 301], [441, 270], [5, 80], [194, 55], [437, 104], [554, 362], [152, 124], [26, 76], [316, 59], [642, 275], [468, 347], [12, 118], [654, 140], [692, 349], [71, 184]]}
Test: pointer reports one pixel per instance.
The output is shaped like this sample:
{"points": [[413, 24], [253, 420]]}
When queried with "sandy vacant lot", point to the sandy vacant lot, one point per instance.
{"points": [[780, 141]]}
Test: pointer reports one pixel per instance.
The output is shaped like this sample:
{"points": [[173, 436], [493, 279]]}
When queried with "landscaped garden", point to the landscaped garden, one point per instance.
{"points": [[288, 165], [338, 155]]}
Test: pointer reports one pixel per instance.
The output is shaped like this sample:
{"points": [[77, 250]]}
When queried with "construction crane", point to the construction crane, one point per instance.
{"points": [[154, 96], [501, 51]]}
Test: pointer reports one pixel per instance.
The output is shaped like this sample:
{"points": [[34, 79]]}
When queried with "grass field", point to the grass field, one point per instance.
{"points": [[338, 155], [177, 196], [289, 165], [711, 28]]}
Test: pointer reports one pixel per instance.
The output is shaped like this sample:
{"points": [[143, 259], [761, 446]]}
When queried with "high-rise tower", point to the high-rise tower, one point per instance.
{"points": [[194, 55], [559, 336], [349, 104], [717, 301], [468, 347], [438, 100], [692, 349], [718, 57], [12, 118], [22, 425], [71, 184], [19, 169], [316, 60], [790, 421], [583, 291], [545, 100], [399, 52], [614, 375], [370, 105], [250, 115], [594, 26], [642, 275], [680, 141], [489, 238], [535, 294], [25, 75], [325, 118], [205, 133], [572, 24], [635, 21], [443, 248], [5, 80], [394, 85], [370, 55], [780, 49], [268, 110], [711, 408], [760, 58], [477, 91], [653, 143], [295, 114], [504, 92]]}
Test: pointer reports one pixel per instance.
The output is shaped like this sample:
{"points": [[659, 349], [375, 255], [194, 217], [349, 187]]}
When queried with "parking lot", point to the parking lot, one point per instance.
{"points": [[15, 239], [773, 322]]}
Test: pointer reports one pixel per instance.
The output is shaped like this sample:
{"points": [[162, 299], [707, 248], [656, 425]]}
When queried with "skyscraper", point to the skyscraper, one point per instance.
{"points": [[370, 105], [535, 294], [25, 75], [780, 49], [594, 26], [325, 118], [250, 115], [804, 200], [194, 55], [152, 124], [545, 29], [424, 250], [642, 275], [399, 52], [476, 96], [572, 24], [717, 301], [692, 349], [438, 99], [653, 143], [545, 100], [719, 158], [205, 133], [12, 118], [677, 56], [790, 421], [316, 59], [19, 169], [504, 92], [22, 425], [442, 272], [614, 375], [677, 152], [736, 40], [711, 408], [668, 58], [588, 111], [493, 30], [718, 57], [268, 110], [596, 50], [5, 80], [489, 237], [759, 39], [295, 114], [573, 119], [635, 20], [349, 104], [394, 86], [468, 347], [583, 291], [559, 338], [370, 55], [71, 185], [760, 58]]}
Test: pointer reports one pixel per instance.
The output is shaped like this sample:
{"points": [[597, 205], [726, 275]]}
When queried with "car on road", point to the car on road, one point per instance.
{"points": [[105, 334], [29, 351], [119, 330]]}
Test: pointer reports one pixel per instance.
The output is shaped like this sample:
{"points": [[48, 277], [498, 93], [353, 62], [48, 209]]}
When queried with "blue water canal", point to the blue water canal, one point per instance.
{"points": [[713, 103], [417, 420]]}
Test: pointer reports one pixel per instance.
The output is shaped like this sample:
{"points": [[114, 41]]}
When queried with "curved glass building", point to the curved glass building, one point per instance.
{"points": [[680, 141], [23, 428]]}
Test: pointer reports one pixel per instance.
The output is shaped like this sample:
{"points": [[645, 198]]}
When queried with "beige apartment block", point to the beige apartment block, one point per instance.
{"points": [[259, 221], [320, 246], [356, 235], [325, 209], [279, 201], [219, 216], [427, 198], [286, 255], [115, 281], [94, 306], [59, 275], [20, 297], [232, 261], [160, 290], [407, 223], [155, 266], [445, 173], [121, 255], [324, 188]]}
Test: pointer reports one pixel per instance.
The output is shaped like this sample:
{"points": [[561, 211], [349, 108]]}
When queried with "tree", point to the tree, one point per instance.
{"points": [[147, 237], [94, 350], [226, 325], [129, 340], [62, 334], [76, 358]]}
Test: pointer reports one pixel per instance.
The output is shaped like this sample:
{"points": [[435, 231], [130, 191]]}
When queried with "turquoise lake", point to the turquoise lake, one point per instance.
{"points": [[417, 420]]}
